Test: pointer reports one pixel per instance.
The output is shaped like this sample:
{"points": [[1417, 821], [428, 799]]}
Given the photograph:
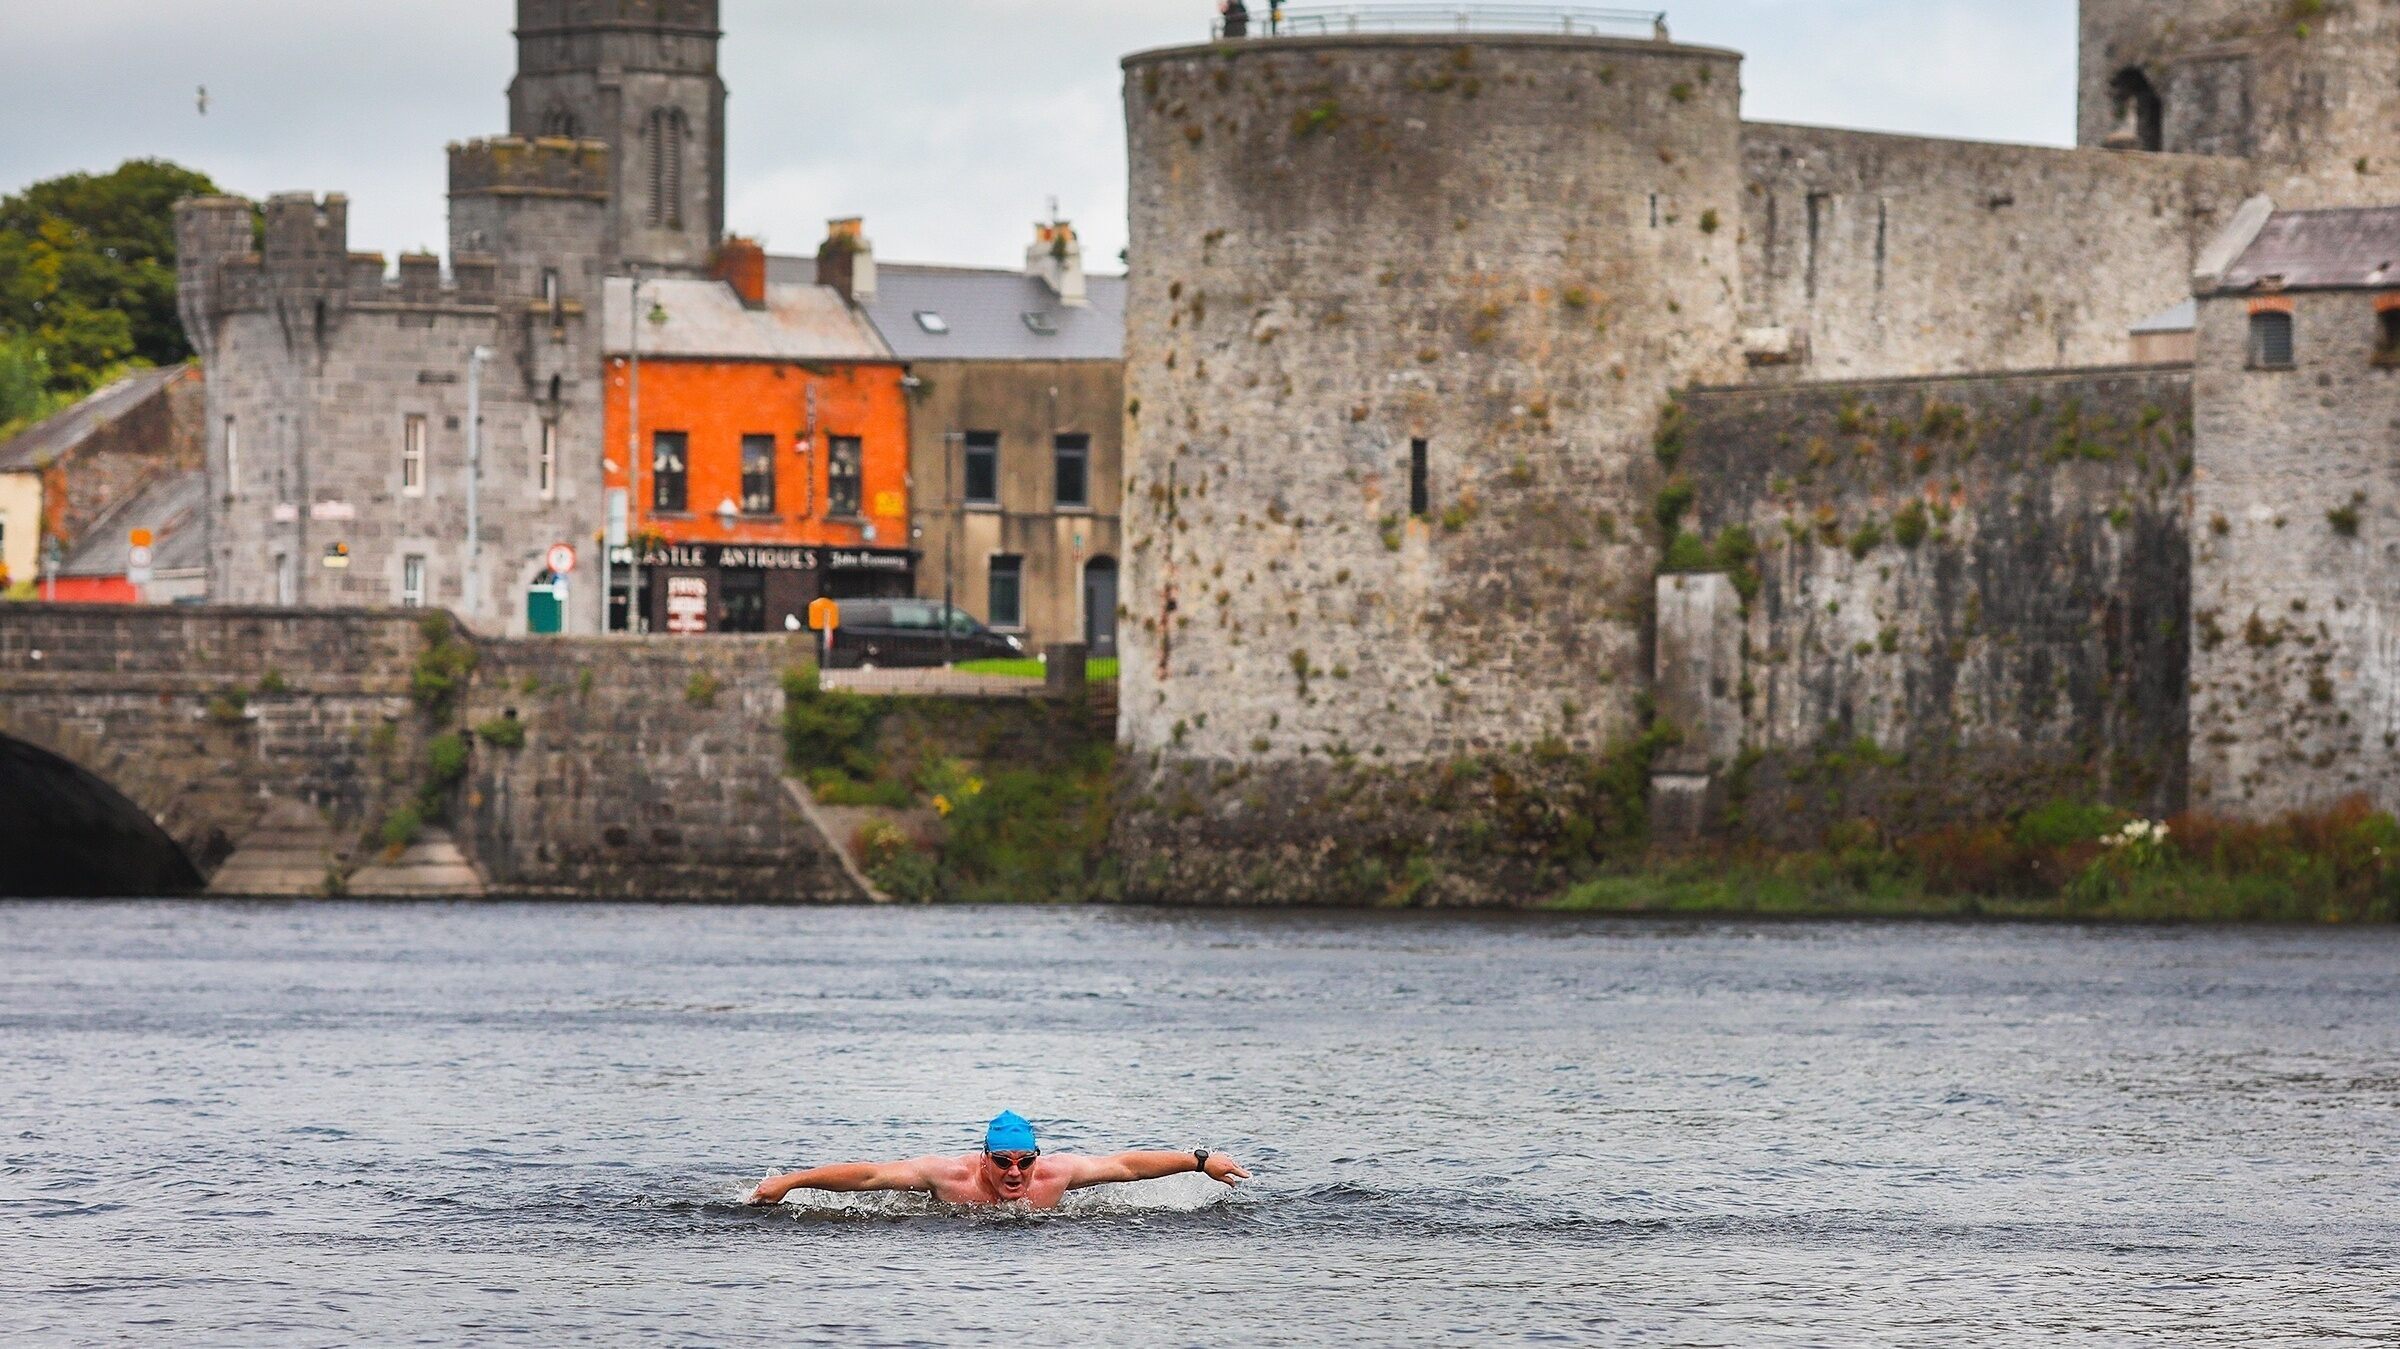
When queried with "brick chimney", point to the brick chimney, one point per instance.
{"points": [[1056, 259], [846, 260], [742, 264]]}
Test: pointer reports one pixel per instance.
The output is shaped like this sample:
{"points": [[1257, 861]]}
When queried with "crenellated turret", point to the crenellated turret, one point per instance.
{"points": [[208, 232]]}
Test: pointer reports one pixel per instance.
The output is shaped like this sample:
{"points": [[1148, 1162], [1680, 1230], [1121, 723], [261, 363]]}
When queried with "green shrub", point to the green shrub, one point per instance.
{"points": [[701, 689], [400, 828], [502, 732], [272, 684], [1909, 526], [442, 668], [824, 728], [445, 761], [912, 877], [1866, 540], [1688, 552], [229, 709], [2060, 824], [1674, 499]]}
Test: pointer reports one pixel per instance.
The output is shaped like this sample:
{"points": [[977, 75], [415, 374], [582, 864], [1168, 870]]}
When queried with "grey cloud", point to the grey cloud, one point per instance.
{"points": [[947, 123]]}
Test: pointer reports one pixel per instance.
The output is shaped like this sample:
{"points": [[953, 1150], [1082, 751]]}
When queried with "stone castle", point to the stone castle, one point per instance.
{"points": [[338, 394], [1506, 411]]}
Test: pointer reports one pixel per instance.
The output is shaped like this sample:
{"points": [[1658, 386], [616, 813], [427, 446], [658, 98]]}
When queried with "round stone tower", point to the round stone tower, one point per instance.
{"points": [[1404, 311]]}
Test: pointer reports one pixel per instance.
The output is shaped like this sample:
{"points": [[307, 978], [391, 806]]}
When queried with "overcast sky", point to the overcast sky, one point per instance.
{"points": [[948, 124]]}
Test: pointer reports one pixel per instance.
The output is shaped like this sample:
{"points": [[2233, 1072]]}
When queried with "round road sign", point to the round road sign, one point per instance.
{"points": [[561, 559]]}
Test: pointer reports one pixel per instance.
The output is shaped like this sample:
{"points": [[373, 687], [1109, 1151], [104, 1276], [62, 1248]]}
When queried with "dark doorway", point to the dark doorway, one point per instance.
{"points": [[1100, 607], [71, 836], [2141, 113], [744, 595]]}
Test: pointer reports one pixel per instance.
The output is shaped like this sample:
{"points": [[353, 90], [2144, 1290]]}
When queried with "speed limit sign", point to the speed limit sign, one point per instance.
{"points": [[561, 558]]}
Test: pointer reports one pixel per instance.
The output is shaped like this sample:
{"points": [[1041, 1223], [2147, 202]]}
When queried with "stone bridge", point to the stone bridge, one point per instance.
{"points": [[163, 751]]}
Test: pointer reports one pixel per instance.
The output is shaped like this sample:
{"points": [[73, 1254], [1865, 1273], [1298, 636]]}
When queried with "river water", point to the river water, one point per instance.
{"points": [[334, 1124]]}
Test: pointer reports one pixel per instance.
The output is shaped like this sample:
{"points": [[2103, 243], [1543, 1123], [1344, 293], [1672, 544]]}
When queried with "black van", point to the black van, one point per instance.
{"points": [[893, 633]]}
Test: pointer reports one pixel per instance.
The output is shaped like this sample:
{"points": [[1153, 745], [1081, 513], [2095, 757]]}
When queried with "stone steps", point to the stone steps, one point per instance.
{"points": [[289, 853], [430, 868]]}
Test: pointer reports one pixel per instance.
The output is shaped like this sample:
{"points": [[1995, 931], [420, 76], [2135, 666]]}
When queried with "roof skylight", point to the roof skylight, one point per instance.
{"points": [[932, 322], [1039, 320]]}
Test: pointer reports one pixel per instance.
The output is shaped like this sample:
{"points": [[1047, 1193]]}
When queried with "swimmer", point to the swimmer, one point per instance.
{"points": [[1011, 1169]]}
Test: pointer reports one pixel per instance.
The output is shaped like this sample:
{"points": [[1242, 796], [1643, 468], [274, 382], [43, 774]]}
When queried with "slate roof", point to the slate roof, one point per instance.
{"points": [[2181, 318], [2323, 250], [706, 319], [171, 508], [41, 444], [984, 309]]}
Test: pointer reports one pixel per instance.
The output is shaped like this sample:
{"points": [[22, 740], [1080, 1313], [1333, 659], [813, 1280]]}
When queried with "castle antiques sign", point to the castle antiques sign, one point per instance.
{"points": [[766, 557]]}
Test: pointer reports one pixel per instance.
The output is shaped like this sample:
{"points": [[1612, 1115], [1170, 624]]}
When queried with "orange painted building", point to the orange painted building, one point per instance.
{"points": [[770, 465]]}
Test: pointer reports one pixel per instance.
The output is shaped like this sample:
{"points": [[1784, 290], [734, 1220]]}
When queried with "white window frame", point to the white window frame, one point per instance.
{"points": [[412, 456], [412, 580], [545, 462]]}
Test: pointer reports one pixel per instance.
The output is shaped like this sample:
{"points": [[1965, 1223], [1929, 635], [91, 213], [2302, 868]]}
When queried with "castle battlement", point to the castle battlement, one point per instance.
{"points": [[530, 166], [307, 258], [537, 17]]}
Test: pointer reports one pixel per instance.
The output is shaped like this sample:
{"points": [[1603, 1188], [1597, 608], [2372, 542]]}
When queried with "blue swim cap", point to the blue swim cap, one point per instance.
{"points": [[1009, 1132]]}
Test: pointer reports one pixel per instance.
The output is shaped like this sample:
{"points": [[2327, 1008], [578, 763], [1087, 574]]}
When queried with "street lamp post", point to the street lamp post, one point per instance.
{"points": [[475, 360], [633, 457], [954, 444]]}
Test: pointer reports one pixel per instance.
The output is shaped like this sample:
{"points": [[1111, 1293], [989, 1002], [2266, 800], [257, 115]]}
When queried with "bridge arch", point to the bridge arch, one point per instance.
{"points": [[65, 833]]}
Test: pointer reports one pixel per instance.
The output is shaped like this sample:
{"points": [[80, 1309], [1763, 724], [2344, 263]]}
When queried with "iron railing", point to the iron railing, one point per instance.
{"points": [[1568, 20]]}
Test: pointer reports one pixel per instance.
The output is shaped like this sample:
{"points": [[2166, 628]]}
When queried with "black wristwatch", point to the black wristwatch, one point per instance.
{"points": [[1200, 1160]]}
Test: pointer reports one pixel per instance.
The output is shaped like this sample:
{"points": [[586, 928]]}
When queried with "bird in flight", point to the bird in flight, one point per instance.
{"points": [[204, 100]]}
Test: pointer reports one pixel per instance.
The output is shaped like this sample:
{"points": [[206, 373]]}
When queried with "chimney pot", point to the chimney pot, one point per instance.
{"points": [[742, 264], [846, 260]]}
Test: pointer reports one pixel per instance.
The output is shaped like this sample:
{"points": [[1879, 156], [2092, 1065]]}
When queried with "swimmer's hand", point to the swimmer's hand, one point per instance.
{"points": [[1225, 1169], [767, 1193]]}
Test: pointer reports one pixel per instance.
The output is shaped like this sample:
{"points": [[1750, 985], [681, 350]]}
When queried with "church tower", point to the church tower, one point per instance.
{"points": [[642, 76]]}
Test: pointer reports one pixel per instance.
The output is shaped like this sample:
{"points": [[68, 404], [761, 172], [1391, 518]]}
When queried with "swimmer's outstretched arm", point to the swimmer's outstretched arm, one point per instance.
{"points": [[848, 1178], [1126, 1166]]}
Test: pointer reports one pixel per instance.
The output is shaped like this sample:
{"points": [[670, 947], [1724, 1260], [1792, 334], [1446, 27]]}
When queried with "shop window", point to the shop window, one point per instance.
{"points": [[1073, 456], [2271, 341], [668, 483], [758, 475], [983, 468], [412, 457], [843, 456], [1007, 591]]}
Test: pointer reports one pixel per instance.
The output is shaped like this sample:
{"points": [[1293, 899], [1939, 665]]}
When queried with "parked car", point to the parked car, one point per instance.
{"points": [[892, 633]]}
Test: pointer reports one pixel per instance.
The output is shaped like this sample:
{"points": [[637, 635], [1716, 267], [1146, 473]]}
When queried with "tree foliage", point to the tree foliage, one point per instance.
{"points": [[87, 271]]}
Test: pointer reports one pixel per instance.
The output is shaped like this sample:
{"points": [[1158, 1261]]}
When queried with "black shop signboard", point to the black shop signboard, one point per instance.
{"points": [[689, 589]]}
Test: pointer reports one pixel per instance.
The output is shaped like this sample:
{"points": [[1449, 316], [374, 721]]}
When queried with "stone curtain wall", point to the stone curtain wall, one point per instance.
{"points": [[650, 770], [202, 717], [1963, 597], [2296, 564], [1896, 255]]}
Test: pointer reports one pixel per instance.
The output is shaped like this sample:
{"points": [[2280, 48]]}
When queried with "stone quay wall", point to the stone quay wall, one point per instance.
{"points": [[648, 770], [1944, 600]]}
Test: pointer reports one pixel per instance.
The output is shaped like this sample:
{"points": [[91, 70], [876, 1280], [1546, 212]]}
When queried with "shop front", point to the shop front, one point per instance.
{"points": [[691, 589]]}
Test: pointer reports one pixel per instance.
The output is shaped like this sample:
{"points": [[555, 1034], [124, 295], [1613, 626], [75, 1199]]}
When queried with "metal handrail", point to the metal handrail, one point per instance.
{"points": [[1567, 20]]}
